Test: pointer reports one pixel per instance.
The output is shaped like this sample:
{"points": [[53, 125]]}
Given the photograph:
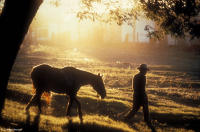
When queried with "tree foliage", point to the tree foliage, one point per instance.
{"points": [[178, 18], [109, 11]]}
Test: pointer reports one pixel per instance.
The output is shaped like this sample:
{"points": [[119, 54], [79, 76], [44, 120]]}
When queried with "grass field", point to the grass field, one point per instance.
{"points": [[173, 88]]}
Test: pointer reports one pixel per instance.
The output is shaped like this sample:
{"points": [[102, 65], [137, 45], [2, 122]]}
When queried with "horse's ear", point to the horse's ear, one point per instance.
{"points": [[100, 75]]}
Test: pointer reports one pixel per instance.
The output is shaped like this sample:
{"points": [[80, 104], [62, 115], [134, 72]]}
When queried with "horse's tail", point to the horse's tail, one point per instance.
{"points": [[46, 95], [36, 76], [33, 90]]}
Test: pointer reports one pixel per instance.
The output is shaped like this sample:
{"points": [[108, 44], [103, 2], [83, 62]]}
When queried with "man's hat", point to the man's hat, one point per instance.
{"points": [[143, 67]]}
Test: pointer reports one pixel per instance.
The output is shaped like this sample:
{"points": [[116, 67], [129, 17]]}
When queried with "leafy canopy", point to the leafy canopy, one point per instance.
{"points": [[179, 18]]}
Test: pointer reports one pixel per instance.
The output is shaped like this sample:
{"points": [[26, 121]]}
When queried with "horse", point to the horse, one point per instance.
{"points": [[66, 80]]}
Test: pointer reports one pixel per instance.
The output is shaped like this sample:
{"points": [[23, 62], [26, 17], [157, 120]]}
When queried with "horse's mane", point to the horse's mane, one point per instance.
{"points": [[78, 72]]}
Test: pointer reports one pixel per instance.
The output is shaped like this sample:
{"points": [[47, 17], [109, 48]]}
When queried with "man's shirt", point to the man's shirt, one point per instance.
{"points": [[139, 82]]}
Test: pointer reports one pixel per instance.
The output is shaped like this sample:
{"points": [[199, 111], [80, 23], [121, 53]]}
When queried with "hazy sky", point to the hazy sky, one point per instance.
{"points": [[63, 18]]}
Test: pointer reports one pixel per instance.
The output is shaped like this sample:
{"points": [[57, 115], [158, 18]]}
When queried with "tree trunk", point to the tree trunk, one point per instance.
{"points": [[14, 23]]}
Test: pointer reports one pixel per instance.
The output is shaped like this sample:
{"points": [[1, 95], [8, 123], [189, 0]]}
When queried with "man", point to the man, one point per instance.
{"points": [[139, 96]]}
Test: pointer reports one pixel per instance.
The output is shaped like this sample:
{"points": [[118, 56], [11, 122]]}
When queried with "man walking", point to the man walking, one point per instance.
{"points": [[139, 96]]}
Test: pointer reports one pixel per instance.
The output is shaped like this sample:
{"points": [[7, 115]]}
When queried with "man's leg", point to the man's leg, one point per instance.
{"points": [[132, 112], [146, 110], [146, 114]]}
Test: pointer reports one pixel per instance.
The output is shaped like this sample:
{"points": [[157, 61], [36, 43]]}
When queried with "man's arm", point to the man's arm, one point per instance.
{"points": [[139, 86]]}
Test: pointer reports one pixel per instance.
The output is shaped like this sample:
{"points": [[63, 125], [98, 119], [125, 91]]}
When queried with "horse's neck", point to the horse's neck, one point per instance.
{"points": [[86, 78], [80, 77]]}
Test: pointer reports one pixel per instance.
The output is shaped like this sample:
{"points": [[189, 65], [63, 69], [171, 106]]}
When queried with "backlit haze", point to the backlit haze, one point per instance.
{"points": [[60, 19]]}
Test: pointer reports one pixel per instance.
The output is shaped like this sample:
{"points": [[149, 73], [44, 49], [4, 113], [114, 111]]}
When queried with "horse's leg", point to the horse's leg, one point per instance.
{"points": [[31, 102], [68, 101], [35, 98], [69, 105], [79, 109], [38, 101]]}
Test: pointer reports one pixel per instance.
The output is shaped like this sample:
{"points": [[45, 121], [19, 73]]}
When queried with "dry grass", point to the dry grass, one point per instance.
{"points": [[174, 97]]}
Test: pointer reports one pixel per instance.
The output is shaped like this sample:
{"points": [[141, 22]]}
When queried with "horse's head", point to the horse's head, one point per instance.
{"points": [[99, 86]]}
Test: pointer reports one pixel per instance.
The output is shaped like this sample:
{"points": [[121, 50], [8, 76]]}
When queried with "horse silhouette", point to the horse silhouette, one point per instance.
{"points": [[67, 80]]}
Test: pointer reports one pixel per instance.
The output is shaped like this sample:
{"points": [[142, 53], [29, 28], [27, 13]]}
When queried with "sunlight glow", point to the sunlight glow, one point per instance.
{"points": [[99, 8], [102, 7], [59, 23], [87, 59]]}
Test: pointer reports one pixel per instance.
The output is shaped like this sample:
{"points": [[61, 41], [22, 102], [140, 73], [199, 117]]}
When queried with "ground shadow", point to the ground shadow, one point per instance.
{"points": [[59, 102], [14, 125], [177, 120], [88, 106], [177, 98], [34, 126], [10, 125], [100, 107], [20, 97], [88, 127]]}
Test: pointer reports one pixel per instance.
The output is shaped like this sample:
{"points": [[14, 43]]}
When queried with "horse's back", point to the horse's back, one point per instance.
{"points": [[52, 78], [74, 71], [42, 67], [69, 69], [40, 70]]}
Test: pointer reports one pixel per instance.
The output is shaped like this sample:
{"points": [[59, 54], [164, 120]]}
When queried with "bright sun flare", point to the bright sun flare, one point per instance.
{"points": [[63, 18]]}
